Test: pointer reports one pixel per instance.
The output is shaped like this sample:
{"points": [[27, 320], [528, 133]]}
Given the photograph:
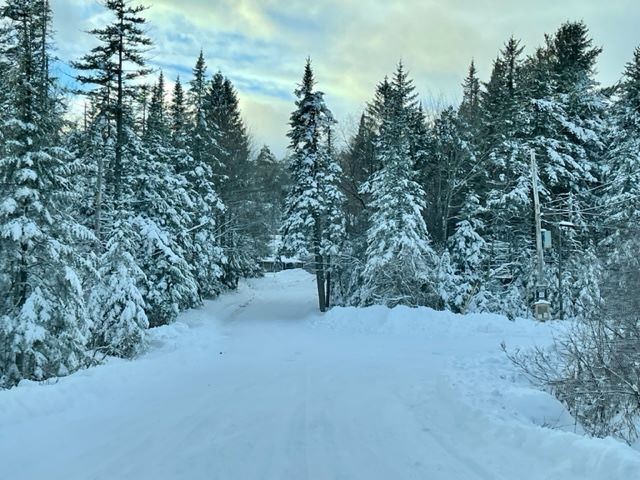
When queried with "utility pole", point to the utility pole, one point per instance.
{"points": [[560, 274], [542, 307], [538, 220]]}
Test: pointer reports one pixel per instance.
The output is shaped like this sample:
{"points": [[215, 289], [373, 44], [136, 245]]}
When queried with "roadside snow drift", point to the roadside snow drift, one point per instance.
{"points": [[257, 385]]}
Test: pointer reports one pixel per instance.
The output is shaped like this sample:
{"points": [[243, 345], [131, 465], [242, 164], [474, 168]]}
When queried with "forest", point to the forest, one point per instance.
{"points": [[157, 199]]}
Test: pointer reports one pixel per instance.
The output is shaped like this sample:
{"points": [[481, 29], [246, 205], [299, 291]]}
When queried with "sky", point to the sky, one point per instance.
{"points": [[261, 45]]}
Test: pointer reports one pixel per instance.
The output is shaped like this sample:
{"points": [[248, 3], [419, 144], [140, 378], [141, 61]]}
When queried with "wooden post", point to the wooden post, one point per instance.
{"points": [[542, 307], [536, 201]]}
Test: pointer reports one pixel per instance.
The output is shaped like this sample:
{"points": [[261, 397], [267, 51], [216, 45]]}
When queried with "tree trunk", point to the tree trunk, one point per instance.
{"points": [[320, 280], [98, 223], [117, 174], [327, 297]]}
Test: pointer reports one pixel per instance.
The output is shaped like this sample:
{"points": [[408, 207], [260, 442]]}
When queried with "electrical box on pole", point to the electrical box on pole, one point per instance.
{"points": [[546, 240]]}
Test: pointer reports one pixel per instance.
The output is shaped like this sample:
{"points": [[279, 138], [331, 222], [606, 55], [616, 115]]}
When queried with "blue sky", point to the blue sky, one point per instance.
{"points": [[262, 44]]}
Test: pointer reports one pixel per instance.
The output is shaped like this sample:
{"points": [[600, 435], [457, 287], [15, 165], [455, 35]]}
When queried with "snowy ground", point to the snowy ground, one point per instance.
{"points": [[256, 385]]}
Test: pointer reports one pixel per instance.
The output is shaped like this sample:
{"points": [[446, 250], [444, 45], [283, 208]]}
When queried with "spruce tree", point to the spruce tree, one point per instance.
{"points": [[568, 129], [45, 327], [202, 142], [204, 254], [400, 263], [232, 168], [313, 221], [110, 71], [179, 117], [469, 110], [116, 299], [162, 208], [506, 188], [619, 207], [203, 205], [111, 66], [269, 180]]}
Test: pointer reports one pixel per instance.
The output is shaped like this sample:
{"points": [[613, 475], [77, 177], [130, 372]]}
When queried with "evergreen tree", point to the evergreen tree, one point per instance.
{"points": [[162, 208], [358, 164], [204, 254], [400, 262], [42, 311], [270, 184], [111, 152], [202, 143], [470, 109], [472, 289], [179, 116], [506, 188], [567, 134], [158, 121], [313, 220], [111, 66], [623, 181], [116, 299], [232, 170], [567, 121], [619, 209]]}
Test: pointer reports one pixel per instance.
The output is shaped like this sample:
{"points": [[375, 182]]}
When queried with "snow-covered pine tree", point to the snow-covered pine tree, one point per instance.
{"points": [[328, 176], [622, 181], [116, 299], [567, 133], [162, 209], [233, 171], [202, 143], [158, 121], [44, 323], [401, 266], [313, 222], [205, 254], [472, 289], [178, 116], [506, 187], [111, 66], [461, 170], [269, 180], [470, 111], [111, 69], [619, 206], [358, 163]]}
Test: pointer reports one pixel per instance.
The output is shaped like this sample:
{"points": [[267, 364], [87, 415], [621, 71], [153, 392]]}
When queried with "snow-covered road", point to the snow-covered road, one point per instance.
{"points": [[256, 385]]}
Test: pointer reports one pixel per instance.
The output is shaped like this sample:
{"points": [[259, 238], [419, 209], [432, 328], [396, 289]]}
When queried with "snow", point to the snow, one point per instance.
{"points": [[258, 385]]}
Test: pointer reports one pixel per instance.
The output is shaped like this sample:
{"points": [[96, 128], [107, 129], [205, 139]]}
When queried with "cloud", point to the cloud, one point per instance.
{"points": [[262, 44]]}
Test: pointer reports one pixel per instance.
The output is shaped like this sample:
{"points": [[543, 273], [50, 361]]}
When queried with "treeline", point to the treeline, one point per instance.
{"points": [[439, 208], [119, 222]]}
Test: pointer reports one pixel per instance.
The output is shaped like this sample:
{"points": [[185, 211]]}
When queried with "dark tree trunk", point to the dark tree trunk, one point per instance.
{"points": [[320, 281], [319, 263], [327, 297], [117, 167]]}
